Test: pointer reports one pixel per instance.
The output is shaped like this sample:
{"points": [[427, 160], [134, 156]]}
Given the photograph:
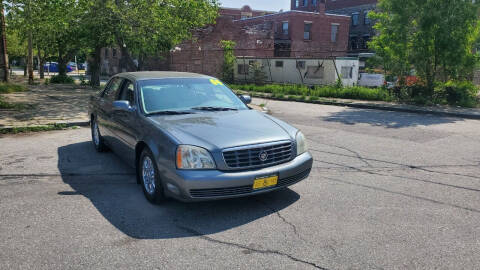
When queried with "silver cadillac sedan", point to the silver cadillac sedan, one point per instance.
{"points": [[191, 138]]}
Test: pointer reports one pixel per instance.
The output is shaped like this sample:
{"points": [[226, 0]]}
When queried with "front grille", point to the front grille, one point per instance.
{"points": [[243, 190], [249, 157]]}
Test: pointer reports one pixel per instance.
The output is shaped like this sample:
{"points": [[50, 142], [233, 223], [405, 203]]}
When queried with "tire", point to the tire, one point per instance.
{"points": [[149, 177], [97, 138]]}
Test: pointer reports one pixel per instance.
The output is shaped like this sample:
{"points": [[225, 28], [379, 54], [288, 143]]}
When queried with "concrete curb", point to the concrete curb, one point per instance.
{"points": [[392, 108]]}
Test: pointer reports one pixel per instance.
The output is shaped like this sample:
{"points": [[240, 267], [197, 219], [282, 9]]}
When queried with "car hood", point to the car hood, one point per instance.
{"points": [[219, 130]]}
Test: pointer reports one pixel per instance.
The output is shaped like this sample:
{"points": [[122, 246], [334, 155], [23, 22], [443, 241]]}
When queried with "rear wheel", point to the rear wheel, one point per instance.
{"points": [[150, 180], [97, 138]]}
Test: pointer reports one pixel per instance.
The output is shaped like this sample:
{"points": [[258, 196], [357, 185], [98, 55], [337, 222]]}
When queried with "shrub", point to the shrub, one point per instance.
{"points": [[460, 93], [6, 88], [63, 79]]}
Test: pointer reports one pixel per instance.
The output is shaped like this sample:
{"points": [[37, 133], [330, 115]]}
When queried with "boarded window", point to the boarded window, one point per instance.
{"points": [[301, 64], [279, 64], [347, 72], [242, 69], [315, 72]]}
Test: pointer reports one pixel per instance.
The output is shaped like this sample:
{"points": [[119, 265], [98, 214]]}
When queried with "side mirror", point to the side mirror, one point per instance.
{"points": [[123, 105], [246, 99]]}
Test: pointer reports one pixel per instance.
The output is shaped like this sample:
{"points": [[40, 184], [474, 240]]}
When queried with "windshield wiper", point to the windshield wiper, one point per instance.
{"points": [[169, 113], [216, 109]]}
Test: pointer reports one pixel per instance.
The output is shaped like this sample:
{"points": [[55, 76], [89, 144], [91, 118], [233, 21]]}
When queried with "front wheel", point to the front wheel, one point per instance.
{"points": [[151, 183], [97, 138]]}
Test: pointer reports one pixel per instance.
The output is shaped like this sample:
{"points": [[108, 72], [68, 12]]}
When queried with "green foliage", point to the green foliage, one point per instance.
{"points": [[282, 90], [11, 106], [259, 75], [6, 88], [458, 93], [83, 80], [434, 37], [62, 79], [228, 60]]}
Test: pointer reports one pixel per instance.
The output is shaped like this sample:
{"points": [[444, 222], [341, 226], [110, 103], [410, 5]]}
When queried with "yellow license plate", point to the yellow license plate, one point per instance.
{"points": [[265, 182]]}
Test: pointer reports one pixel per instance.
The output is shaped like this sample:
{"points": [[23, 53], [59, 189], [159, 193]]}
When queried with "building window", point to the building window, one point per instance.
{"points": [[347, 72], [279, 64], [366, 19], [243, 69], [307, 31], [106, 53], [363, 42], [301, 64], [285, 28], [314, 3], [353, 43], [334, 32], [314, 72], [114, 52], [297, 3], [305, 3], [355, 18]]}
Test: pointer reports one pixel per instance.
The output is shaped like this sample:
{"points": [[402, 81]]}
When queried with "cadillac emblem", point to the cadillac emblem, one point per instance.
{"points": [[263, 156]]}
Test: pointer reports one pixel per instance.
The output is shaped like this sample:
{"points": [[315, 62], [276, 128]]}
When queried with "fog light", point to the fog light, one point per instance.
{"points": [[173, 189]]}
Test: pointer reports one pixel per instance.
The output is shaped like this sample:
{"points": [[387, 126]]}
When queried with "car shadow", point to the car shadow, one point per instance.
{"points": [[111, 187], [387, 119]]}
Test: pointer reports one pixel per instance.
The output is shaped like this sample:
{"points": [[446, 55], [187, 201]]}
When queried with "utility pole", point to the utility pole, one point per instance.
{"points": [[4, 76]]}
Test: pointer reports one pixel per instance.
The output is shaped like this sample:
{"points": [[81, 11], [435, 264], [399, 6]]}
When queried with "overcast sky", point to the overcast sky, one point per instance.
{"points": [[270, 5]]}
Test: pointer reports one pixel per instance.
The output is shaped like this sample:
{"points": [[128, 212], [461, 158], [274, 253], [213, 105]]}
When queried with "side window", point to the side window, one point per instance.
{"points": [[112, 92], [127, 92]]}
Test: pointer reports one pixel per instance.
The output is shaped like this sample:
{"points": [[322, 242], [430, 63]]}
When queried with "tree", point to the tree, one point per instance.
{"points": [[98, 32], [140, 29], [434, 37], [3, 46], [228, 60], [151, 27]]}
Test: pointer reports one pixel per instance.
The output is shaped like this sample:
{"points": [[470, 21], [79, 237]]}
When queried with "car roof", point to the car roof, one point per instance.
{"points": [[148, 75]]}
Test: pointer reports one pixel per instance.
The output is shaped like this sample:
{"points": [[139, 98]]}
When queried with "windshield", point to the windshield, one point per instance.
{"points": [[181, 94]]}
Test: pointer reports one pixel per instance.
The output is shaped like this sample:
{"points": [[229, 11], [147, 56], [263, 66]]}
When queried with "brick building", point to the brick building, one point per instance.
{"points": [[361, 27], [306, 31]]}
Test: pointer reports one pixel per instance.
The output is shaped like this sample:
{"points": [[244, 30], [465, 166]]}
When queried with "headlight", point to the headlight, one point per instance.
{"points": [[301, 143], [191, 157]]}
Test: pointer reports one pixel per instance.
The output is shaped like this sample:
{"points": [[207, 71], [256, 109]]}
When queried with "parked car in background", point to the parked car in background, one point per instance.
{"points": [[72, 65], [371, 80], [191, 138], [53, 67]]}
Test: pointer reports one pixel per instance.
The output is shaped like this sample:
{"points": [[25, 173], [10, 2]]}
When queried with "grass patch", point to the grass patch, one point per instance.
{"points": [[288, 90], [62, 79], [16, 130], [11, 106], [6, 88]]}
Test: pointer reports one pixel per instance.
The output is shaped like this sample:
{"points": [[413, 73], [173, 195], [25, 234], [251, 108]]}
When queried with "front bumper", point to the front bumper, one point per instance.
{"points": [[214, 184]]}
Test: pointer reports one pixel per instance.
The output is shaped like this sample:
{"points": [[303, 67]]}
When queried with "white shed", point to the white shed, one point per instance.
{"points": [[299, 71]]}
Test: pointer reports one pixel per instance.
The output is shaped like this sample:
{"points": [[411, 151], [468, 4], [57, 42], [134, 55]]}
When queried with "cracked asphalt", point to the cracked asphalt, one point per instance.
{"points": [[388, 190]]}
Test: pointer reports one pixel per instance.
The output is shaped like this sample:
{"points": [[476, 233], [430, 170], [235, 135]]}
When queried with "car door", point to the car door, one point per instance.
{"points": [[104, 116], [125, 122]]}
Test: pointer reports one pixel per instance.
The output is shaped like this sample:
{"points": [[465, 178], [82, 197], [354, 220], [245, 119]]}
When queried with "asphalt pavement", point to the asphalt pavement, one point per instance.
{"points": [[389, 190]]}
